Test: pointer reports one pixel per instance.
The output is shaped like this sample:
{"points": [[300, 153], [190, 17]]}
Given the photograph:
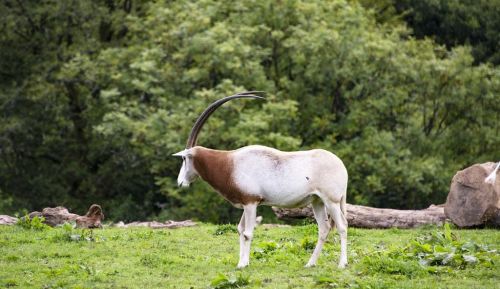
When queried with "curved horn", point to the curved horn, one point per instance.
{"points": [[211, 108]]}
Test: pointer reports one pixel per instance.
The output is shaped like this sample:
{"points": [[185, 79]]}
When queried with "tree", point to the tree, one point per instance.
{"points": [[95, 119]]}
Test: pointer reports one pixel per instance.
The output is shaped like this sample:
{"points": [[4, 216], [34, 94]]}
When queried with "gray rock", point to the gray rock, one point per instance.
{"points": [[7, 220]]}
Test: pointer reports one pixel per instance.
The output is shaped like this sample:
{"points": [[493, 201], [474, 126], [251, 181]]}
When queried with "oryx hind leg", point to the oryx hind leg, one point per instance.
{"points": [[323, 229], [338, 216]]}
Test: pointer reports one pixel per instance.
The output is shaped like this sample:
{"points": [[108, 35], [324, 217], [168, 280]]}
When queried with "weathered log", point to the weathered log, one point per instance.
{"points": [[158, 225], [368, 217], [472, 201], [60, 215]]}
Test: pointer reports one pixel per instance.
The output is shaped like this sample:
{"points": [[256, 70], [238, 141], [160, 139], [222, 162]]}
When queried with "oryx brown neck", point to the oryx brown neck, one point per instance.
{"points": [[216, 168]]}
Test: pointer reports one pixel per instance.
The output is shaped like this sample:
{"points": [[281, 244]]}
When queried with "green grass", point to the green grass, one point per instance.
{"points": [[206, 256]]}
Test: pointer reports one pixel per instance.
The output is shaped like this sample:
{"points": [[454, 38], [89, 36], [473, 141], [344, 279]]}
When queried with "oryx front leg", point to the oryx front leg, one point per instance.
{"points": [[323, 229], [245, 229], [241, 230]]}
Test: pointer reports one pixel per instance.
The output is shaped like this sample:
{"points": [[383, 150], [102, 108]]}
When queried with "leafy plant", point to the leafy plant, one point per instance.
{"points": [[433, 252], [35, 223], [443, 248], [225, 228], [307, 244], [263, 249], [222, 281]]}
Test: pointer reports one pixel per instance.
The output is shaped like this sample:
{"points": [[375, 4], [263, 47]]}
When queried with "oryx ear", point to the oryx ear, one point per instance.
{"points": [[181, 153]]}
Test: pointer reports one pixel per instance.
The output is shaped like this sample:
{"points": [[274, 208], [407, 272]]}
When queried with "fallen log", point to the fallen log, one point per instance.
{"points": [[368, 217], [158, 225]]}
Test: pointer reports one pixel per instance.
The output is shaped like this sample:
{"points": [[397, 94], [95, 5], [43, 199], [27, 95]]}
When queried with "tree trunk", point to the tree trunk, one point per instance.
{"points": [[368, 217]]}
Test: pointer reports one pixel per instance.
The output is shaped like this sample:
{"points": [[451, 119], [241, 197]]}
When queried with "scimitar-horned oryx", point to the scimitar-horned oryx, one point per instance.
{"points": [[258, 175]]}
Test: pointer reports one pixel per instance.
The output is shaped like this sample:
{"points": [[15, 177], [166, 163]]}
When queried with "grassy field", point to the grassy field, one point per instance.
{"points": [[205, 257]]}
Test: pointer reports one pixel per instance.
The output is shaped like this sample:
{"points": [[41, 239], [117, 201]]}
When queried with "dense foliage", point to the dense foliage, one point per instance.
{"points": [[96, 96]]}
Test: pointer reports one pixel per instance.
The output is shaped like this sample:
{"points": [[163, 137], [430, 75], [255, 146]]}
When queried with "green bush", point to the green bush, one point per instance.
{"points": [[35, 223]]}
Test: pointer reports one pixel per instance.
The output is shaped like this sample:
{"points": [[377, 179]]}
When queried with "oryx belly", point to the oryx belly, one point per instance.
{"points": [[280, 179]]}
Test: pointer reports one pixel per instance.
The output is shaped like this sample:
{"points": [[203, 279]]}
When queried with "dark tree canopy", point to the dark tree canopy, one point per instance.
{"points": [[449, 22], [96, 95]]}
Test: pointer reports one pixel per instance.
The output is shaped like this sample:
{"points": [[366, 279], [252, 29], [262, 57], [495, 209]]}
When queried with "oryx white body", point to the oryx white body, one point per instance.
{"points": [[289, 179]]}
